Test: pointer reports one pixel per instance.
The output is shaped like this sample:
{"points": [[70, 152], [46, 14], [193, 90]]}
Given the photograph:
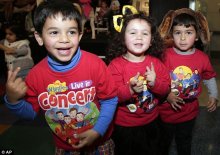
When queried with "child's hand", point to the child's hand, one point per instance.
{"points": [[15, 87], [136, 85], [86, 138], [175, 101], [212, 104], [150, 75]]}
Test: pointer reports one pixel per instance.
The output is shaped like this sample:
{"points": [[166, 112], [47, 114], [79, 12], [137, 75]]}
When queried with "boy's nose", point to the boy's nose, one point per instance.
{"points": [[182, 37], [64, 38]]}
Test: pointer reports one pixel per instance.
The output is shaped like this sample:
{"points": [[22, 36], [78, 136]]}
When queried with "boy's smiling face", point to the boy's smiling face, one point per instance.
{"points": [[60, 37]]}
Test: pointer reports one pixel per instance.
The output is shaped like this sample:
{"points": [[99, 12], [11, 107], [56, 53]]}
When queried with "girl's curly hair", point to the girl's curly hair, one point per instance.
{"points": [[117, 46]]}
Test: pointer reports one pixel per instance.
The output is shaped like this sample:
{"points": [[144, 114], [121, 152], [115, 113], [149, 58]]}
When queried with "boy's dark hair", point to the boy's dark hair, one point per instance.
{"points": [[186, 20], [117, 47], [18, 30], [51, 9]]}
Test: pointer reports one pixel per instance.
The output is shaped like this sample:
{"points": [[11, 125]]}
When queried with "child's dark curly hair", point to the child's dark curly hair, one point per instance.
{"points": [[18, 30], [117, 46]]}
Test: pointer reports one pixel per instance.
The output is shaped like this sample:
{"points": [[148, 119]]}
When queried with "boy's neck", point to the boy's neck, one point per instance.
{"points": [[191, 51]]}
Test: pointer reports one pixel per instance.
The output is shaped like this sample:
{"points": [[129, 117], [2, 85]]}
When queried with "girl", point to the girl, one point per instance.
{"points": [[187, 66], [141, 80], [17, 50]]}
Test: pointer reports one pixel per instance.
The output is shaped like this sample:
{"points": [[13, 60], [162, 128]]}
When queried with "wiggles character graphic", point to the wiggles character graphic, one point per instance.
{"points": [[196, 79], [59, 121], [70, 130], [60, 118], [184, 82], [66, 123], [72, 113]]}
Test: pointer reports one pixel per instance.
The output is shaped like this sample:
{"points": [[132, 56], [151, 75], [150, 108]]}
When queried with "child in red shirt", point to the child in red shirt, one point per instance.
{"points": [[188, 66]]}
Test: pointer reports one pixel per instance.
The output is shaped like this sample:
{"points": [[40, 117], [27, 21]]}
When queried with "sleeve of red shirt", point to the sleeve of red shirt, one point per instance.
{"points": [[208, 71], [123, 90], [105, 84]]}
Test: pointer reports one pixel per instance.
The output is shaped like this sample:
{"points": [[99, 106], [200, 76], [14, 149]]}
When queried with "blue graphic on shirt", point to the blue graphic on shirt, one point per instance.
{"points": [[185, 82]]}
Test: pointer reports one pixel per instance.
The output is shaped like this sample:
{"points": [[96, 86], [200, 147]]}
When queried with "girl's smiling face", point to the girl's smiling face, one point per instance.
{"points": [[137, 38]]}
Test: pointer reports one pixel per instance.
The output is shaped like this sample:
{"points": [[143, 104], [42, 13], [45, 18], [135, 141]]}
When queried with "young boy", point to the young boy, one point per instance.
{"points": [[188, 67], [67, 78]]}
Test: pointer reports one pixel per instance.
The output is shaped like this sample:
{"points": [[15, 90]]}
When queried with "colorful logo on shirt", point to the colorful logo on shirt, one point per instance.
{"points": [[56, 87], [67, 123], [60, 96], [80, 85], [185, 82]]}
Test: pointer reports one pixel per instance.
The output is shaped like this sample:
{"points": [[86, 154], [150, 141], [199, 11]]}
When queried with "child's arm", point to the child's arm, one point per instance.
{"points": [[107, 111], [5, 48], [23, 50], [22, 109], [15, 91], [213, 93]]}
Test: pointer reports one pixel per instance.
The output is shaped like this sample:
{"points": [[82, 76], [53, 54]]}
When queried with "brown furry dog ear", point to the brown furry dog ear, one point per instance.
{"points": [[165, 26], [204, 32]]}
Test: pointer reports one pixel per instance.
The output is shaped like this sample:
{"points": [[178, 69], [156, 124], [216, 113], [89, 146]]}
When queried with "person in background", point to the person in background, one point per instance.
{"points": [[142, 81], [188, 66], [102, 14], [89, 14], [115, 7], [64, 80], [114, 10], [102, 11], [16, 49]]}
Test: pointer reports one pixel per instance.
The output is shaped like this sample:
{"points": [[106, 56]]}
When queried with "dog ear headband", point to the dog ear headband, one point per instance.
{"points": [[203, 29], [118, 19]]}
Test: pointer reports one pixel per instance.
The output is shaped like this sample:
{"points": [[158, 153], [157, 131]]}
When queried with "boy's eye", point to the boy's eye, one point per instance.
{"points": [[72, 32], [176, 33], [53, 32]]}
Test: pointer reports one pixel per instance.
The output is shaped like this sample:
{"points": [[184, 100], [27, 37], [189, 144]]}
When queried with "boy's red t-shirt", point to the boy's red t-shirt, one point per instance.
{"points": [[186, 72], [58, 94]]}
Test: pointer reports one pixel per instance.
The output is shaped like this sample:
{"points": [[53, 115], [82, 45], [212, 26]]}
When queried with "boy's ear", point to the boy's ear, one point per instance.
{"points": [[38, 38], [80, 36]]}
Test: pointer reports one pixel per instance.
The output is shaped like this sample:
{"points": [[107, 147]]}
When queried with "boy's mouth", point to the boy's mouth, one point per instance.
{"points": [[64, 51]]}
